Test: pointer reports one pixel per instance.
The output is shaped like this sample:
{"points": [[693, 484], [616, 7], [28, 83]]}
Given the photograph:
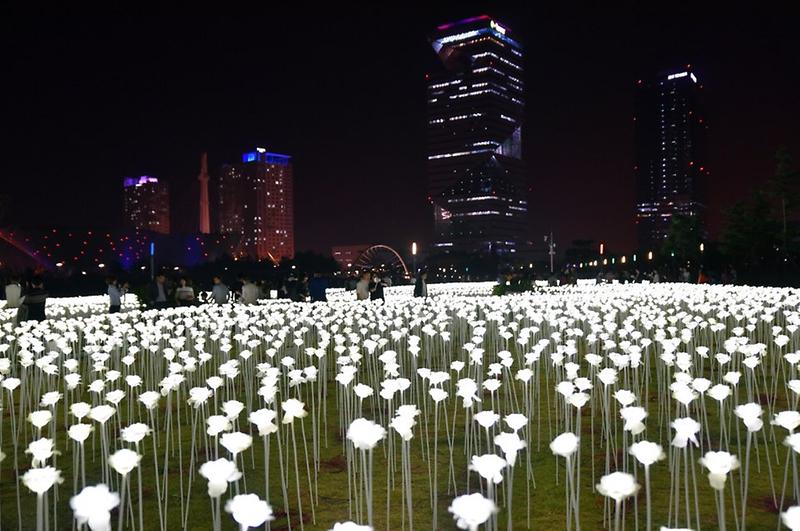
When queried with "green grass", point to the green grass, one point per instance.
{"points": [[547, 499]]}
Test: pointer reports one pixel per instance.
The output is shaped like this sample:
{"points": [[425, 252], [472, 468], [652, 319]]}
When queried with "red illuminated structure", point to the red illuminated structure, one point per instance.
{"points": [[146, 204], [256, 201], [205, 218]]}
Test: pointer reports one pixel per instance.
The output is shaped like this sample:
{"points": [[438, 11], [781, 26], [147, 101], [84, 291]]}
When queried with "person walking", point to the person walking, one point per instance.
{"points": [[219, 291], [421, 285], [35, 301]]}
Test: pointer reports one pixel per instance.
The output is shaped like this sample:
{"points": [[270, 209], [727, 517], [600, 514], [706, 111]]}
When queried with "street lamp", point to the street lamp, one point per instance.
{"points": [[702, 247], [414, 256], [602, 248]]}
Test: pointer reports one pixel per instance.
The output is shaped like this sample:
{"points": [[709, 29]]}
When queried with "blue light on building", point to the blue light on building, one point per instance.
{"points": [[261, 155]]}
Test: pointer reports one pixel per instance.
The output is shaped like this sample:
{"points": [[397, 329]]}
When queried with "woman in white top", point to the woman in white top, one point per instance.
{"points": [[184, 295], [13, 293]]}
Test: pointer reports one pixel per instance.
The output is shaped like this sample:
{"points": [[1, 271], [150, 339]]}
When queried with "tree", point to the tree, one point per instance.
{"points": [[783, 190], [751, 233], [684, 238]]}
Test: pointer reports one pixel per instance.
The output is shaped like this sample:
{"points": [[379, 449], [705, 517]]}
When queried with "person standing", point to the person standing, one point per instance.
{"points": [[115, 295], [376, 288], [159, 292], [250, 292], [35, 301], [317, 288], [219, 291], [362, 287], [184, 295], [13, 292], [421, 285]]}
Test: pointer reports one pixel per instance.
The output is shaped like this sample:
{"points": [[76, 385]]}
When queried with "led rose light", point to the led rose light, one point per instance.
{"points": [[93, 506], [350, 526], [471, 511], [41, 450], [219, 473], [135, 433], [249, 510], [124, 461], [617, 486], [647, 453], [791, 518]]}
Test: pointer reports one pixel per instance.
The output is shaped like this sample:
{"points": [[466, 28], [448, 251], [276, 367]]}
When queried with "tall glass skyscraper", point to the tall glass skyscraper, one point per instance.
{"points": [[670, 164], [256, 202], [146, 204], [477, 181]]}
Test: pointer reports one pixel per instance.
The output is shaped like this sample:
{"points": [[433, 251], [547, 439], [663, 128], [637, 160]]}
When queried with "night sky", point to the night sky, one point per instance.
{"points": [[87, 101]]}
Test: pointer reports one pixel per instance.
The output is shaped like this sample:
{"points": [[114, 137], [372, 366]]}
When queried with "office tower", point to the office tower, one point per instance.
{"points": [[477, 181], [146, 204], [205, 218], [670, 166], [256, 203]]}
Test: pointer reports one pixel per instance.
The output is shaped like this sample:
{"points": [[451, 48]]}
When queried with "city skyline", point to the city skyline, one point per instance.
{"points": [[580, 72]]}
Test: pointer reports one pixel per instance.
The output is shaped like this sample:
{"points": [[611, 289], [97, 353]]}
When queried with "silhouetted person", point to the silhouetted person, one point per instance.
{"points": [[301, 289], [115, 294], [317, 287], [219, 291], [421, 285], [376, 288], [158, 291], [35, 300], [250, 292]]}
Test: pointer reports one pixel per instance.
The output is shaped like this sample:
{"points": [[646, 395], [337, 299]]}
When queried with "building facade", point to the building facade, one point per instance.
{"points": [[146, 204], [256, 201], [671, 165], [346, 255], [477, 180]]}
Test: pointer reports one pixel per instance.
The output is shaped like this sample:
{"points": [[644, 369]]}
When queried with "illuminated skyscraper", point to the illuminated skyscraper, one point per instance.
{"points": [[146, 204], [477, 181], [256, 203], [670, 164]]}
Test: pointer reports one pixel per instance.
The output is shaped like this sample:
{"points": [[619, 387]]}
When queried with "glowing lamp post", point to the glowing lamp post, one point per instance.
{"points": [[414, 256]]}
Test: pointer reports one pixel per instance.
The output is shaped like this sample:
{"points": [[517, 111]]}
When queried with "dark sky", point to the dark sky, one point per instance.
{"points": [[87, 101]]}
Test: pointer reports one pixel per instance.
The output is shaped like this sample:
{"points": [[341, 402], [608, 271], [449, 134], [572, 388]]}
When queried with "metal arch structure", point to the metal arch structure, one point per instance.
{"points": [[371, 258]]}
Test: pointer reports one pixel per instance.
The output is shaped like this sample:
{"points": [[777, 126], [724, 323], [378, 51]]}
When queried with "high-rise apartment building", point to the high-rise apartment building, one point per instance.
{"points": [[146, 204], [256, 203]]}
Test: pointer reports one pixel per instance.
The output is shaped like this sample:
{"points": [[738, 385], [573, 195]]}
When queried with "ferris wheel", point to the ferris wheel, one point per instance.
{"points": [[382, 258]]}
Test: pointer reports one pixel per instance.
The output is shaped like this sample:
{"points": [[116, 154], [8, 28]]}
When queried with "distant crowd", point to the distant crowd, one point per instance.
{"points": [[29, 297]]}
